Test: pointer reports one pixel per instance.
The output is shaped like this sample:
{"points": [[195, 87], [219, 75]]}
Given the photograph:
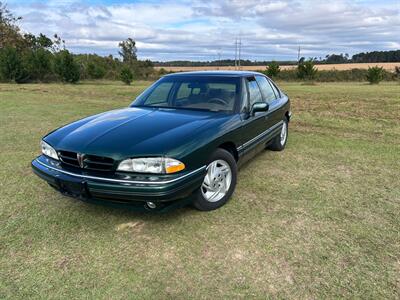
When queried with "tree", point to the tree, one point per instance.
{"points": [[11, 65], [65, 67], [273, 69], [128, 51], [126, 75], [58, 44], [336, 59], [306, 70], [36, 42], [38, 63], [375, 75], [9, 32]]}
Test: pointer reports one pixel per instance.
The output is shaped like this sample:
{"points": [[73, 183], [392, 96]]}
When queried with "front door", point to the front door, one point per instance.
{"points": [[254, 127]]}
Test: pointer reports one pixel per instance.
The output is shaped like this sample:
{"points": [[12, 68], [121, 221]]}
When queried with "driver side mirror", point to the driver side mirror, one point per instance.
{"points": [[259, 106]]}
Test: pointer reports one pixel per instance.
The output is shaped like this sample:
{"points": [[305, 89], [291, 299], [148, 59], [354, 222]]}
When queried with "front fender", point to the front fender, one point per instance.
{"points": [[204, 142]]}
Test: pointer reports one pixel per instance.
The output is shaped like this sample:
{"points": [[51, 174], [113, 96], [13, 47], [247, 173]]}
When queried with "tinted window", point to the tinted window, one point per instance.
{"points": [[184, 91], [266, 89], [160, 94], [277, 92], [254, 91], [245, 100], [193, 92]]}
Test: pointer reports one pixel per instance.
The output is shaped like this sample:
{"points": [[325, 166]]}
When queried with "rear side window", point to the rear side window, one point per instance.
{"points": [[266, 89], [254, 91], [277, 92]]}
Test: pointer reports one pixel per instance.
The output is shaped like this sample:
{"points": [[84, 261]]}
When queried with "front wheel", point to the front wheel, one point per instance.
{"points": [[278, 143], [219, 182]]}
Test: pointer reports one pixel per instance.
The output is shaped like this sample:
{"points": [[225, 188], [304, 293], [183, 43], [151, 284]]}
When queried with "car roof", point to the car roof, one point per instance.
{"points": [[216, 73]]}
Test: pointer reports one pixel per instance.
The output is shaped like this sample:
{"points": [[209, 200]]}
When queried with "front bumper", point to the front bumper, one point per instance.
{"points": [[119, 188]]}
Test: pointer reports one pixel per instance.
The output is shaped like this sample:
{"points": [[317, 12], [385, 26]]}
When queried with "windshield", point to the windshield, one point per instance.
{"points": [[212, 93]]}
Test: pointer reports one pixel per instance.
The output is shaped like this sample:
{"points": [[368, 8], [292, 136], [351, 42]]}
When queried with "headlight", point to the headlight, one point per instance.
{"points": [[48, 150], [156, 165]]}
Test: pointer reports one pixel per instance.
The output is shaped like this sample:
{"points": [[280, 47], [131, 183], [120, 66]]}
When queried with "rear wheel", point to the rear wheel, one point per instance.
{"points": [[278, 143], [219, 182]]}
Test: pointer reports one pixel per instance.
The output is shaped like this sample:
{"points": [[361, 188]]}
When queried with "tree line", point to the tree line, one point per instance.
{"points": [[307, 71], [25, 57], [368, 57], [342, 58], [216, 63]]}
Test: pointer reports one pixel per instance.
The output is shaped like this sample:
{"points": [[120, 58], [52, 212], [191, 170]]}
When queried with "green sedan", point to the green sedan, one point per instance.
{"points": [[181, 141]]}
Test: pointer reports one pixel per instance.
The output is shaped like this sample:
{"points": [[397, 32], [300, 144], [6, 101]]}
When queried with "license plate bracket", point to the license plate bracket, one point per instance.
{"points": [[76, 189]]}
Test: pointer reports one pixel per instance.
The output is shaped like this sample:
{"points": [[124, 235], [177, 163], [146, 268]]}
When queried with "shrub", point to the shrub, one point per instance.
{"points": [[142, 69], [65, 67], [273, 69], [333, 75], [306, 70], [375, 74], [95, 71], [397, 72], [126, 75], [162, 72]]}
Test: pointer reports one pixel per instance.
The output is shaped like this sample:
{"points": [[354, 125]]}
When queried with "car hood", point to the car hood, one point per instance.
{"points": [[131, 132]]}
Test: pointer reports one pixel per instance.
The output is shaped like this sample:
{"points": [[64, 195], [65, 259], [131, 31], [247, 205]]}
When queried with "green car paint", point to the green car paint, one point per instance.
{"points": [[188, 135]]}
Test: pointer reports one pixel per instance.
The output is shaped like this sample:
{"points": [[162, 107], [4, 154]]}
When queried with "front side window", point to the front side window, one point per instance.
{"points": [[254, 91], [159, 95], [213, 93], [266, 89]]}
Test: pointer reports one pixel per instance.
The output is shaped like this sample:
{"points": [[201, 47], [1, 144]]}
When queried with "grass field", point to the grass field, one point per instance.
{"points": [[386, 66], [319, 220]]}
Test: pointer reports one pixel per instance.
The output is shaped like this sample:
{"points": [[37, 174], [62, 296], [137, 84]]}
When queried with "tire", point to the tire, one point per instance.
{"points": [[212, 195], [278, 143]]}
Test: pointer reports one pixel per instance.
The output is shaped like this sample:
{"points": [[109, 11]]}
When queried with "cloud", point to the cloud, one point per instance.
{"points": [[200, 30]]}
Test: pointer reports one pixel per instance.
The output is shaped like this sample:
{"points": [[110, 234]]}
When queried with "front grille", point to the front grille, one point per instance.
{"points": [[89, 162]]}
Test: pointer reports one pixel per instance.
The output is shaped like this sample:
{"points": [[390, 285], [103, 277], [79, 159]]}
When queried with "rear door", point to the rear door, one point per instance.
{"points": [[278, 107]]}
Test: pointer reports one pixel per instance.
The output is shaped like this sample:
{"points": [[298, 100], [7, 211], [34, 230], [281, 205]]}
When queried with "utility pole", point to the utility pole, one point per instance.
{"points": [[240, 49], [219, 58], [298, 55], [236, 48]]}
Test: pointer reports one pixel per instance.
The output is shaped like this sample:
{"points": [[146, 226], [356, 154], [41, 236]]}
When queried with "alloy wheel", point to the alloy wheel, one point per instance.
{"points": [[284, 133], [217, 181]]}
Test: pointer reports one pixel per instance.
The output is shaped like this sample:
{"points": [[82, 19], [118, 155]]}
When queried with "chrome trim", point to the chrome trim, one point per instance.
{"points": [[259, 136], [121, 180]]}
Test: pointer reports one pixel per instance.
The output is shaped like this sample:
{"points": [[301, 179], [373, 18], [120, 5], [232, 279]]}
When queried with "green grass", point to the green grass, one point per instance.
{"points": [[319, 220]]}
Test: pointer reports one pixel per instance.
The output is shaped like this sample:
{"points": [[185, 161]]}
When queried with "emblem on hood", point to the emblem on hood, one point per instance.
{"points": [[80, 158]]}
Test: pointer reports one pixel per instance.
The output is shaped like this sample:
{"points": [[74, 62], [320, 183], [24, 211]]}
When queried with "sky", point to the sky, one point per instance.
{"points": [[206, 30]]}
